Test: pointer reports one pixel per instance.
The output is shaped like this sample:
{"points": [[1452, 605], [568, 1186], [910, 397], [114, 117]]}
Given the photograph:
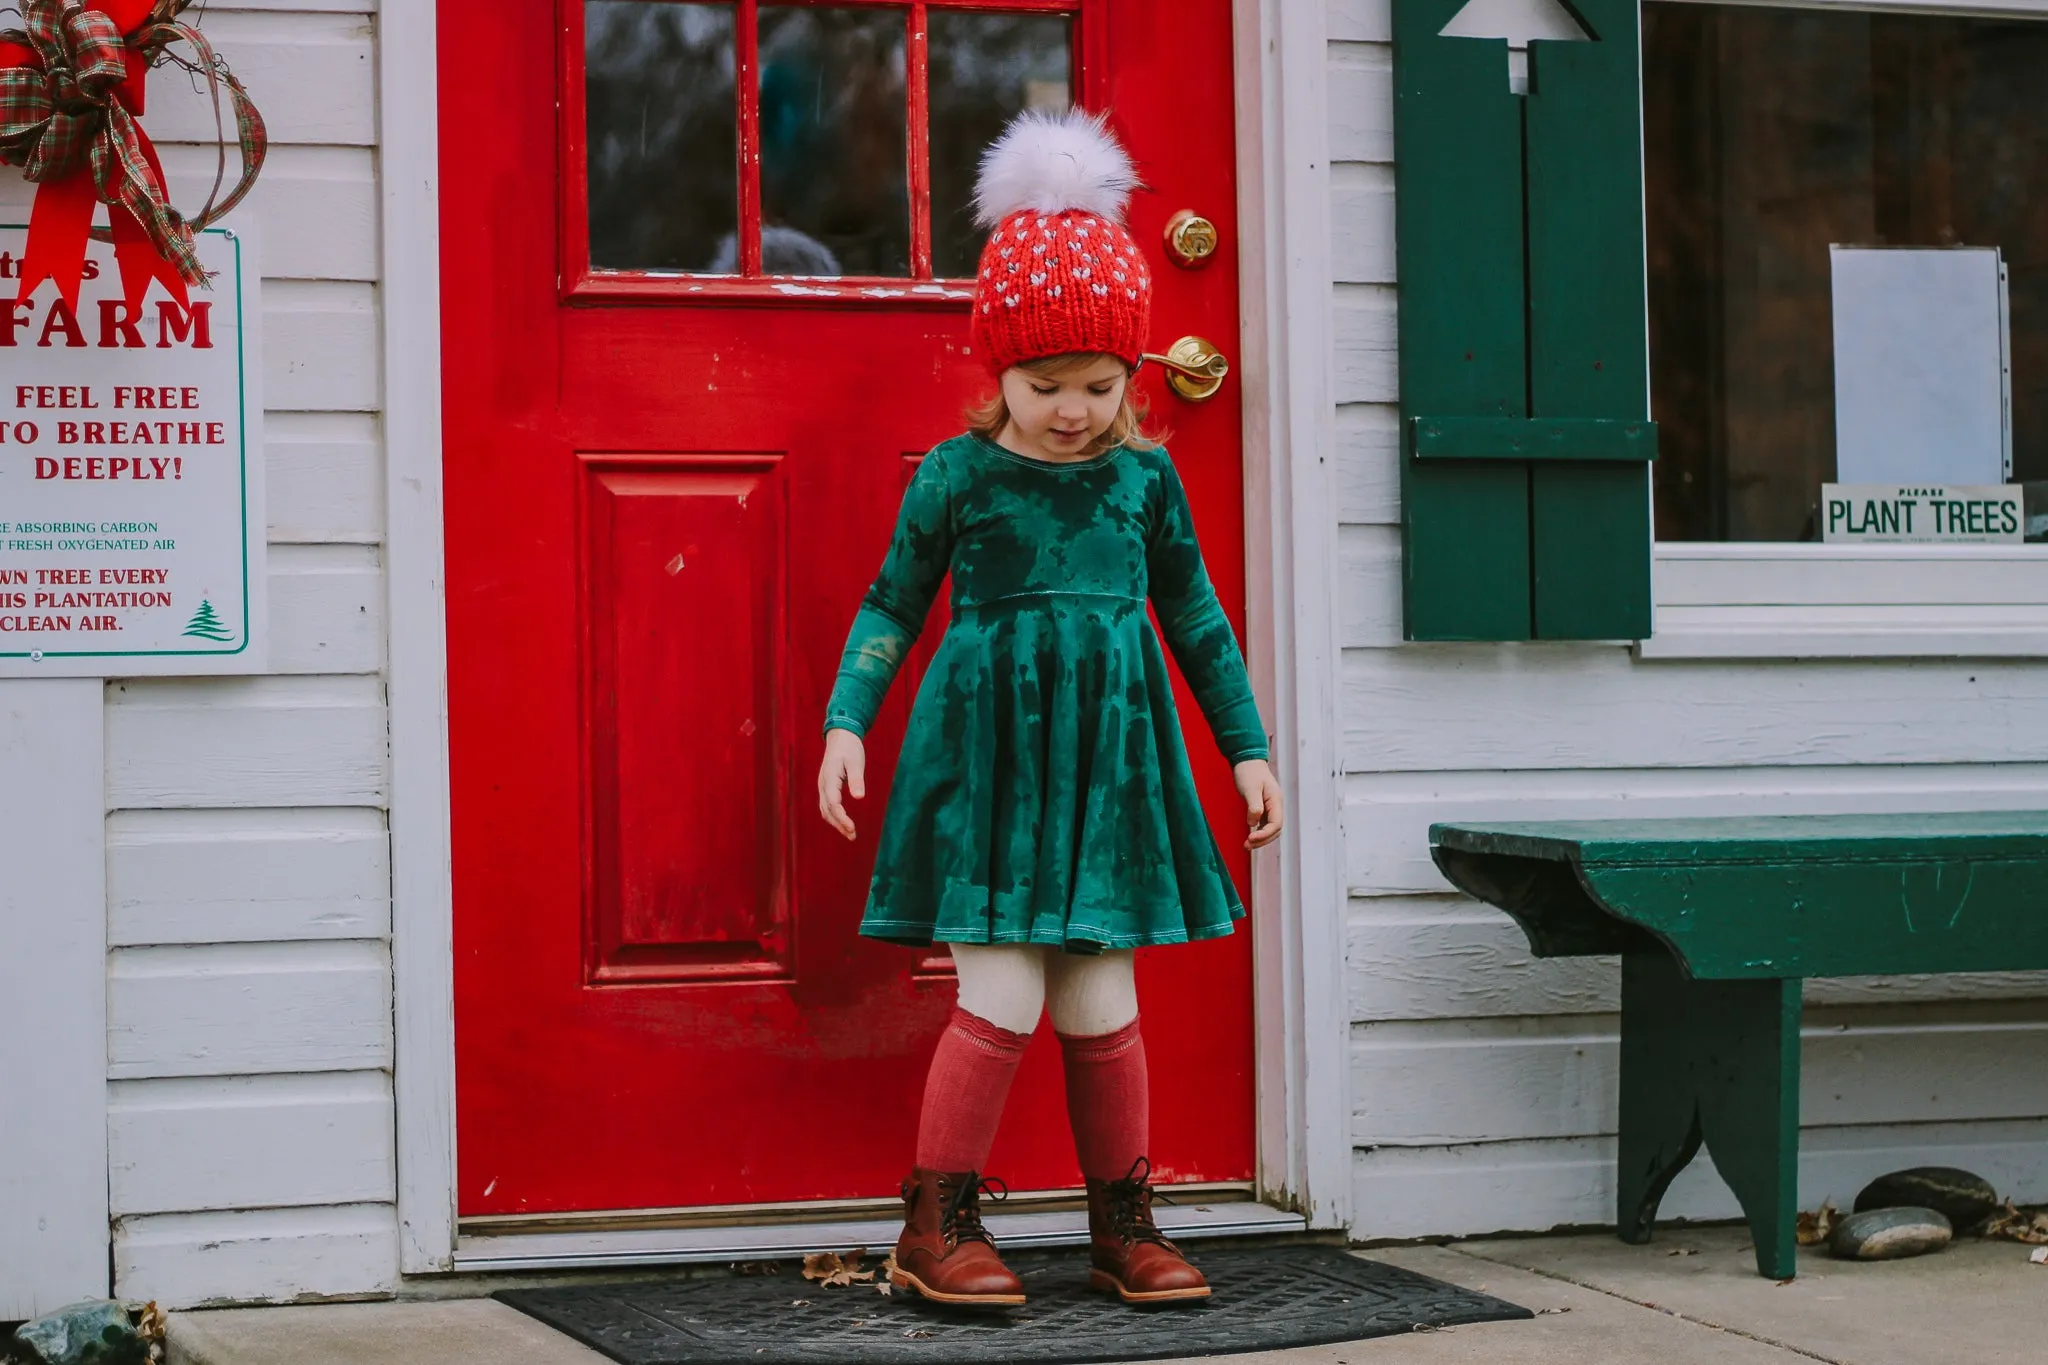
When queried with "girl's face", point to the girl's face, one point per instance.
{"points": [[1060, 415]]}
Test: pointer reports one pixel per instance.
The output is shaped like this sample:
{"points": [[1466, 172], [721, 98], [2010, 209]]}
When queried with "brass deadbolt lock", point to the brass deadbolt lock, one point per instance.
{"points": [[1190, 239]]}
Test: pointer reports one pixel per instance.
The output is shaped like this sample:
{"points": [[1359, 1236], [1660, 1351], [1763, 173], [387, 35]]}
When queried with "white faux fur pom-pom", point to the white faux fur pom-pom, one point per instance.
{"points": [[1051, 163]]}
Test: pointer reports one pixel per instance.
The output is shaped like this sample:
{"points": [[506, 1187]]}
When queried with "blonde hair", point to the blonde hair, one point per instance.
{"points": [[987, 418]]}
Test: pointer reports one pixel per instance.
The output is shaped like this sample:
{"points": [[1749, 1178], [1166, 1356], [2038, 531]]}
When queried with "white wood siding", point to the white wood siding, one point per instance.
{"points": [[253, 1255], [1483, 1080], [242, 1142], [246, 876], [248, 865]]}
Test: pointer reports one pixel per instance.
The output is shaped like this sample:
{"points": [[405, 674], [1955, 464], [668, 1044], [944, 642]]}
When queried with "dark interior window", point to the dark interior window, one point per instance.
{"points": [[1772, 135]]}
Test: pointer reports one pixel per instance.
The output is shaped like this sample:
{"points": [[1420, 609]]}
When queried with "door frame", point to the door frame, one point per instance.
{"points": [[1300, 1014]]}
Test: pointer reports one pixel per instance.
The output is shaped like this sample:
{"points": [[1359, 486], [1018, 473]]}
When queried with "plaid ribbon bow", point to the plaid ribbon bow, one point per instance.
{"points": [[71, 88]]}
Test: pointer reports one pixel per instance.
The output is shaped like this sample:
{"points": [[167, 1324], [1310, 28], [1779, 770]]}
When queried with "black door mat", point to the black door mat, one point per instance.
{"points": [[1266, 1298]]}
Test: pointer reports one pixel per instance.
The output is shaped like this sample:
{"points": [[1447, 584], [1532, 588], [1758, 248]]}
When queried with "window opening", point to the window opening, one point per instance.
{"points": [[741, 143], [1781, 146]]}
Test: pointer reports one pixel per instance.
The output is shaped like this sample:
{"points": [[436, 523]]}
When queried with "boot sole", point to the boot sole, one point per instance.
{"points": [[903, 1277], [1107, 1283]]}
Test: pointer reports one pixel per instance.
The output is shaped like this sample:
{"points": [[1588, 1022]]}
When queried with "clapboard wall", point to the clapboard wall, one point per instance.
{"points": [[1483, 1081], [248, 881]]}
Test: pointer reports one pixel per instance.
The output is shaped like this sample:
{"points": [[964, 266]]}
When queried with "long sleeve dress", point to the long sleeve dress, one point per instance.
{"points": [[1043, 794]]}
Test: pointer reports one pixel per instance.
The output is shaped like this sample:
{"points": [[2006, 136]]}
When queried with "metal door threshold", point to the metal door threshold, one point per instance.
{"points": [[785, 1241]]}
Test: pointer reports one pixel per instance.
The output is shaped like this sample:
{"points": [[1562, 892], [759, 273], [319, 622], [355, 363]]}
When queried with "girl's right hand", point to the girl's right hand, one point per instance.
{"points": [[845, 767]]}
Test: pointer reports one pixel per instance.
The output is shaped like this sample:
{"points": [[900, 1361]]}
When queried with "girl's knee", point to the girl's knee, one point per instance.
{"points": [[1003, 983], [1091, 994]]}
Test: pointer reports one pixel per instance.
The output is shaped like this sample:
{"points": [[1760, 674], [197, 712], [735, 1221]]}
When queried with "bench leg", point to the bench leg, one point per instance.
{"points": [[1660, 1112], [1716, 1061]]}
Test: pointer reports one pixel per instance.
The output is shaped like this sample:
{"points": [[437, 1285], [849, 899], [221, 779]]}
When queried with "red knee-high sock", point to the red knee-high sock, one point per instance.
{"points": [[964, 1092], [1108, 1099]]}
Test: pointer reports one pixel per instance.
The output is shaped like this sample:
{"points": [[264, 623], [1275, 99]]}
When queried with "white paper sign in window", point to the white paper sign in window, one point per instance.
{"points": [[1922, 387]]}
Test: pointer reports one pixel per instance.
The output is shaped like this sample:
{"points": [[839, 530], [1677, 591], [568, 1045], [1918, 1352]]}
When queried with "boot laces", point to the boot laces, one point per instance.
{"points": [[960, 1213], [1130, 1206]]}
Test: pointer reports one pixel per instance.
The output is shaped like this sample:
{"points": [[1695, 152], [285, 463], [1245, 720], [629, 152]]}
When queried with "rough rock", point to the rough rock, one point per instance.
{"points": [[1888, 1234], [95, 1332], [1966, 1200]]}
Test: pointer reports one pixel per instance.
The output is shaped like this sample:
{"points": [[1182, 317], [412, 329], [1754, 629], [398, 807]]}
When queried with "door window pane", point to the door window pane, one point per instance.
{"points": [[985, 69], [1772, 136], [833, 142], [661, 140], [850, 152]]}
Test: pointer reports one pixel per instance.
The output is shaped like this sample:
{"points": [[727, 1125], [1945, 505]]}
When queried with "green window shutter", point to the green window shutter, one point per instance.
{"points": [[1524, 369]]}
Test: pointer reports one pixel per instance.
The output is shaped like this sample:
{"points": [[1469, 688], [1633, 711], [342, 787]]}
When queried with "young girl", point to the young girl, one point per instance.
{"points": [[1044, 820]]}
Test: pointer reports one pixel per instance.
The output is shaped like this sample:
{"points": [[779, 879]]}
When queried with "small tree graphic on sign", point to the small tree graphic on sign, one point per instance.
{"points": [[207, 625]]}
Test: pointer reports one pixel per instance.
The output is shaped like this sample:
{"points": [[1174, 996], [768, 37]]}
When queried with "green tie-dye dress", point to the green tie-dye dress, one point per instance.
{"points": [[1043, 794]]}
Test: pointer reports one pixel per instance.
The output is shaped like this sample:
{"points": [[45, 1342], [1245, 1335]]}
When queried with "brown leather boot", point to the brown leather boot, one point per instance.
{"points": [[944, 1253], [1128, 1254]]}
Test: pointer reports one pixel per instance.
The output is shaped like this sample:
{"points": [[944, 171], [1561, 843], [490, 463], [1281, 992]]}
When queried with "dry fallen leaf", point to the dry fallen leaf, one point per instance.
{"points": [[836, 1270], [1816, 1227], [916, 1333], [2010, 1224], [1683, 1251], [756, 1268], [885, 1279], [150, 1324], [799, 1303]]}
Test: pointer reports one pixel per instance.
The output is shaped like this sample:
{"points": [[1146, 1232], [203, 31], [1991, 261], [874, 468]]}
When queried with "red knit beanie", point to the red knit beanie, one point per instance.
{"points": [[1059, 274]]}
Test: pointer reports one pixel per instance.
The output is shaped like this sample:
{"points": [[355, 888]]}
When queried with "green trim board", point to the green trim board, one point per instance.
{"points": [[1531, 438], [1717, 922], [1522, 295]]}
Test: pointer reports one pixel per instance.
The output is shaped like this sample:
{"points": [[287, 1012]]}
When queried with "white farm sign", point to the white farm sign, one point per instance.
{"points": [[131, 490], [1867, 513]]}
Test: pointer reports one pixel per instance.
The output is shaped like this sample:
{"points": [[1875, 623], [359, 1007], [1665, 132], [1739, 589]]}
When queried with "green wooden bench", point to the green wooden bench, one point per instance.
{"points": [[1717, 922]]}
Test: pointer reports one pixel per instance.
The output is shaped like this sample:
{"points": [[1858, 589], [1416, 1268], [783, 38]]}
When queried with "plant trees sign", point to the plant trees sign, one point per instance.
{"points": [[131, 489], [1889, 514]]}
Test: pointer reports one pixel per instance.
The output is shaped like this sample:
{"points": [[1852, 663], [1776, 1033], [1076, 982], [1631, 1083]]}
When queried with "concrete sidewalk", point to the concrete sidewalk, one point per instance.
{"points": [[1691, 1298]]}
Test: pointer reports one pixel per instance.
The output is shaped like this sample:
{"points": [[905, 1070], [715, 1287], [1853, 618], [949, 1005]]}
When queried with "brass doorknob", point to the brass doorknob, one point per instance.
{"points": [[1190, 238], [1194, 367]]}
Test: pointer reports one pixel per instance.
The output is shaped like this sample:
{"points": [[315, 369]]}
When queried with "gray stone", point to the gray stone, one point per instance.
{"points": [[1888, 1234], [1964, 1199], [96, 1332]]}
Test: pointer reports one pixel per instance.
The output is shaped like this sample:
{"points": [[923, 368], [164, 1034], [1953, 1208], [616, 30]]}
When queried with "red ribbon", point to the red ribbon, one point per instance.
{"points": [[60, 223]]}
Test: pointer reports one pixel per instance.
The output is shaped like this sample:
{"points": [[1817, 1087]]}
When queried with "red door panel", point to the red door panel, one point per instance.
{"points": [[686, 555], [666, 493]]}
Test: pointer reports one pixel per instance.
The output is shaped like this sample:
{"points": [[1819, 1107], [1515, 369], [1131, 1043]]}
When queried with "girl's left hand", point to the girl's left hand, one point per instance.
{"points": [[1261, 793]]}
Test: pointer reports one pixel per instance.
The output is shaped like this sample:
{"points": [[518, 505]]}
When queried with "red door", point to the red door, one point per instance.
{"points": [[672, 468]]}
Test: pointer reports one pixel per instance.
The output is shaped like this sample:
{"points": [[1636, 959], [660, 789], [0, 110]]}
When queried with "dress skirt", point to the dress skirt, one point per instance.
{"points": [[1043, 794]]}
